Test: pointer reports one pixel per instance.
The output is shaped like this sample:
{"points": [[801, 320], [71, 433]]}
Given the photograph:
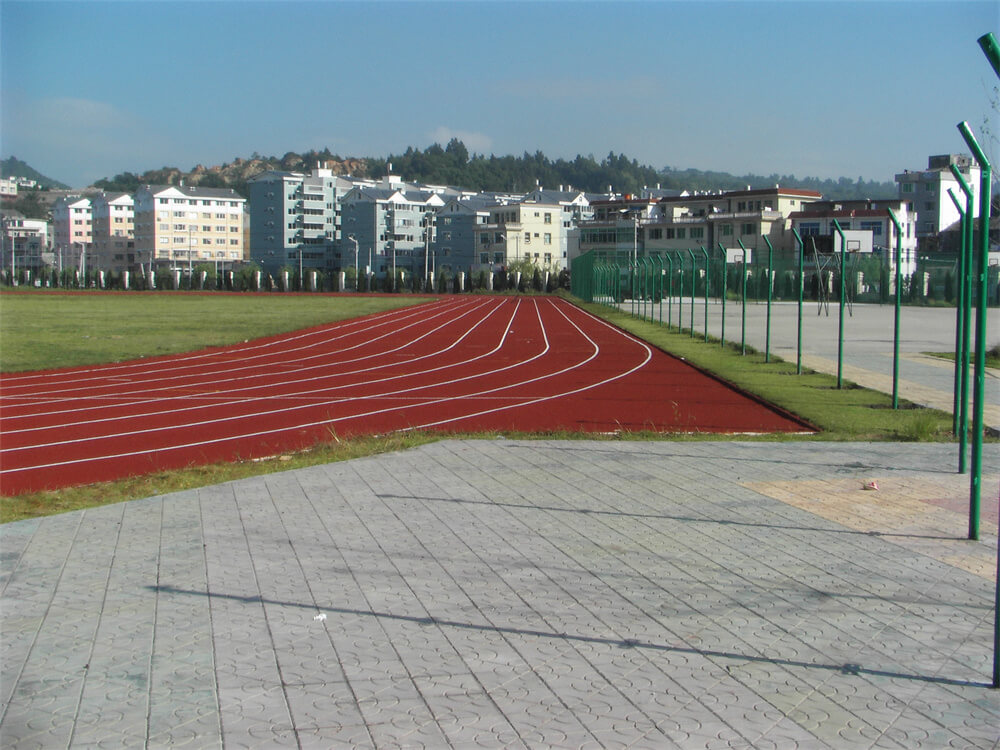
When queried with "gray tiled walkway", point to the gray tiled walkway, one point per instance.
{"points": [[517, 594]]}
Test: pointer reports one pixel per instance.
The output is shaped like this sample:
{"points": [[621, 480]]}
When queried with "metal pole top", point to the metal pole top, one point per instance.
{"points": [[970, 140], [961, 181]]}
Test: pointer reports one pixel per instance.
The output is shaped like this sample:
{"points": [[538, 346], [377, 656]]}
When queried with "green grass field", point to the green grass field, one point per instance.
{"points": [[40, 331]]}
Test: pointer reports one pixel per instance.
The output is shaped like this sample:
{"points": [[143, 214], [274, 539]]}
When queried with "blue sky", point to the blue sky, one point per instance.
{"points": [[811, 88]]}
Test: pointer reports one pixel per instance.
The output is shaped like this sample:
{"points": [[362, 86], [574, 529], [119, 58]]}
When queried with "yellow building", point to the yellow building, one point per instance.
{"points": [[178, 227]]}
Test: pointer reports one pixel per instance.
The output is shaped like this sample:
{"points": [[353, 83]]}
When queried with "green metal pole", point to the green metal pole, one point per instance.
{"points": [[743, 298], [658, 286], [770, 276], [798, 346], [694, 274], [991, 49], [725, 291], [979, 387], [707, 278], [680, 295], [959, 310], [670, 288], [647, 301], [843, 290], [966, 282], [899, 298]]}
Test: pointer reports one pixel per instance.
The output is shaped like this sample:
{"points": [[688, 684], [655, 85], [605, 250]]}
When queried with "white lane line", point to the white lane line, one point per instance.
{"points": [[450, 321], [325, 422], [649, 355], [152, 365], [59, 396], [284, 410]]}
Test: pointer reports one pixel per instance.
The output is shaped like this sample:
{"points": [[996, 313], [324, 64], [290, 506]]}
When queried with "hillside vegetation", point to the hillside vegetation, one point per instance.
{"points": [[454, 165]]}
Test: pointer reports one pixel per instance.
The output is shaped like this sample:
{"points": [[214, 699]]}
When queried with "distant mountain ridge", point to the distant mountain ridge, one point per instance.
{"points": [[14, 167]]}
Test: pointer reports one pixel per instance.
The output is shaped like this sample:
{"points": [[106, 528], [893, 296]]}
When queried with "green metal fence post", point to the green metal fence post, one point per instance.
{"points": [[992, 51], [801, 285], [743, 301], [966, 297], [959, 322], [899, 297], [725, 292], [694, 274], [658, 286], [707, 280], [670, 288], [979, 387], [680, 294], [843, 291], [770, 277]]}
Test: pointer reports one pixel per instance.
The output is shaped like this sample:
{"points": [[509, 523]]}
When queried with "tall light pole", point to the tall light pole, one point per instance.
{"points": [[352, 238]]}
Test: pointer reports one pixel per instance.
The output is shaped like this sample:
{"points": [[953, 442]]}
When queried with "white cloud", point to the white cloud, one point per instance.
{"points": [[474, 142]]}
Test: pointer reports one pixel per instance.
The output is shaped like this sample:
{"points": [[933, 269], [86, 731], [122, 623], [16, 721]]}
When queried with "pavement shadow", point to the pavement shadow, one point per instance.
{"points": [[627, 643]]}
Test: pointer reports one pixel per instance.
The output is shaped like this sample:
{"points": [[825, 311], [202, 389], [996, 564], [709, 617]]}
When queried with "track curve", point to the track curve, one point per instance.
{"points": [[457, 364]]}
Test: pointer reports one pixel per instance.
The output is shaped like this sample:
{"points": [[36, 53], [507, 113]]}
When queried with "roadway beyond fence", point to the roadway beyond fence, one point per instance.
{"points": [[868, 343]]}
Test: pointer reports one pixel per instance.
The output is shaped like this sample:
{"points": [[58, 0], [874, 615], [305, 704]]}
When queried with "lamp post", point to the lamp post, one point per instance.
{"points": [[352, 238]]}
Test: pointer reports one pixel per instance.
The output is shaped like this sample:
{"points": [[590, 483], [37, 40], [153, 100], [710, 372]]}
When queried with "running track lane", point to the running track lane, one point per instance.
{"points": [[456, 364]]}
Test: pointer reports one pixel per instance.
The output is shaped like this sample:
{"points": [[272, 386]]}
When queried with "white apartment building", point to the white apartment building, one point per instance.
{"points": [[72, 230], [24, 243], [389, 226], [525, 231], [926, 192], [295, 218], [179, 227], [113, 232]]}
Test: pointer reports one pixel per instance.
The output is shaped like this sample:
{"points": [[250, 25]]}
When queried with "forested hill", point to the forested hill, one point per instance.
{"points": [[454, 165]]}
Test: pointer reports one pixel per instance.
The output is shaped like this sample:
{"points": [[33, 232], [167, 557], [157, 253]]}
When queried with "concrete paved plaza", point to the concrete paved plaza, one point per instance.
{"points": [[501, 593]]}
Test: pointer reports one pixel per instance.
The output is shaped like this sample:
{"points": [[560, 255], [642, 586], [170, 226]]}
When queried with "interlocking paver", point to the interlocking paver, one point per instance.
{"points": [[516, 594]]}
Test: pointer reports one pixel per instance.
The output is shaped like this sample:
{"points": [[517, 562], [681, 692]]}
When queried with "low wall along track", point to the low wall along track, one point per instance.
{"points": [[456, 364]]}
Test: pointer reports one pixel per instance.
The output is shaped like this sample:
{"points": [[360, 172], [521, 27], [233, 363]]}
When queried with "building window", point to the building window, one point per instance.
{"points": [[907, 187], [548, 218], [681, 233], [725, 230], [746, 229], [547, 239], [809, 228], [697, 233]]}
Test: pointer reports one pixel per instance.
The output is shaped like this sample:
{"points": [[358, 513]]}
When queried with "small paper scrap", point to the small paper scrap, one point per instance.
{"points": [[872, 485], [320, 616]]}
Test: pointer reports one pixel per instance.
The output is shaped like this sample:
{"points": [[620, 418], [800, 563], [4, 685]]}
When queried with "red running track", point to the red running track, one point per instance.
{"points": [[455, 364]]}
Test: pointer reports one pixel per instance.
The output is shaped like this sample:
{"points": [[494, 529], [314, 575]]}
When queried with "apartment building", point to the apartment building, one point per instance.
{"points": [[180, 227], [683, 222], [296, 218], [524, 231], [390, 226], [926, 192], [113, 232], [458, 223], [24, 243], [72, 230]]}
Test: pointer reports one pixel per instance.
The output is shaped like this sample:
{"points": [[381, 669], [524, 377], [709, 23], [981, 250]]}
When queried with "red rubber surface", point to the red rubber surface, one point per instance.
{"points": [[455, 364]]}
